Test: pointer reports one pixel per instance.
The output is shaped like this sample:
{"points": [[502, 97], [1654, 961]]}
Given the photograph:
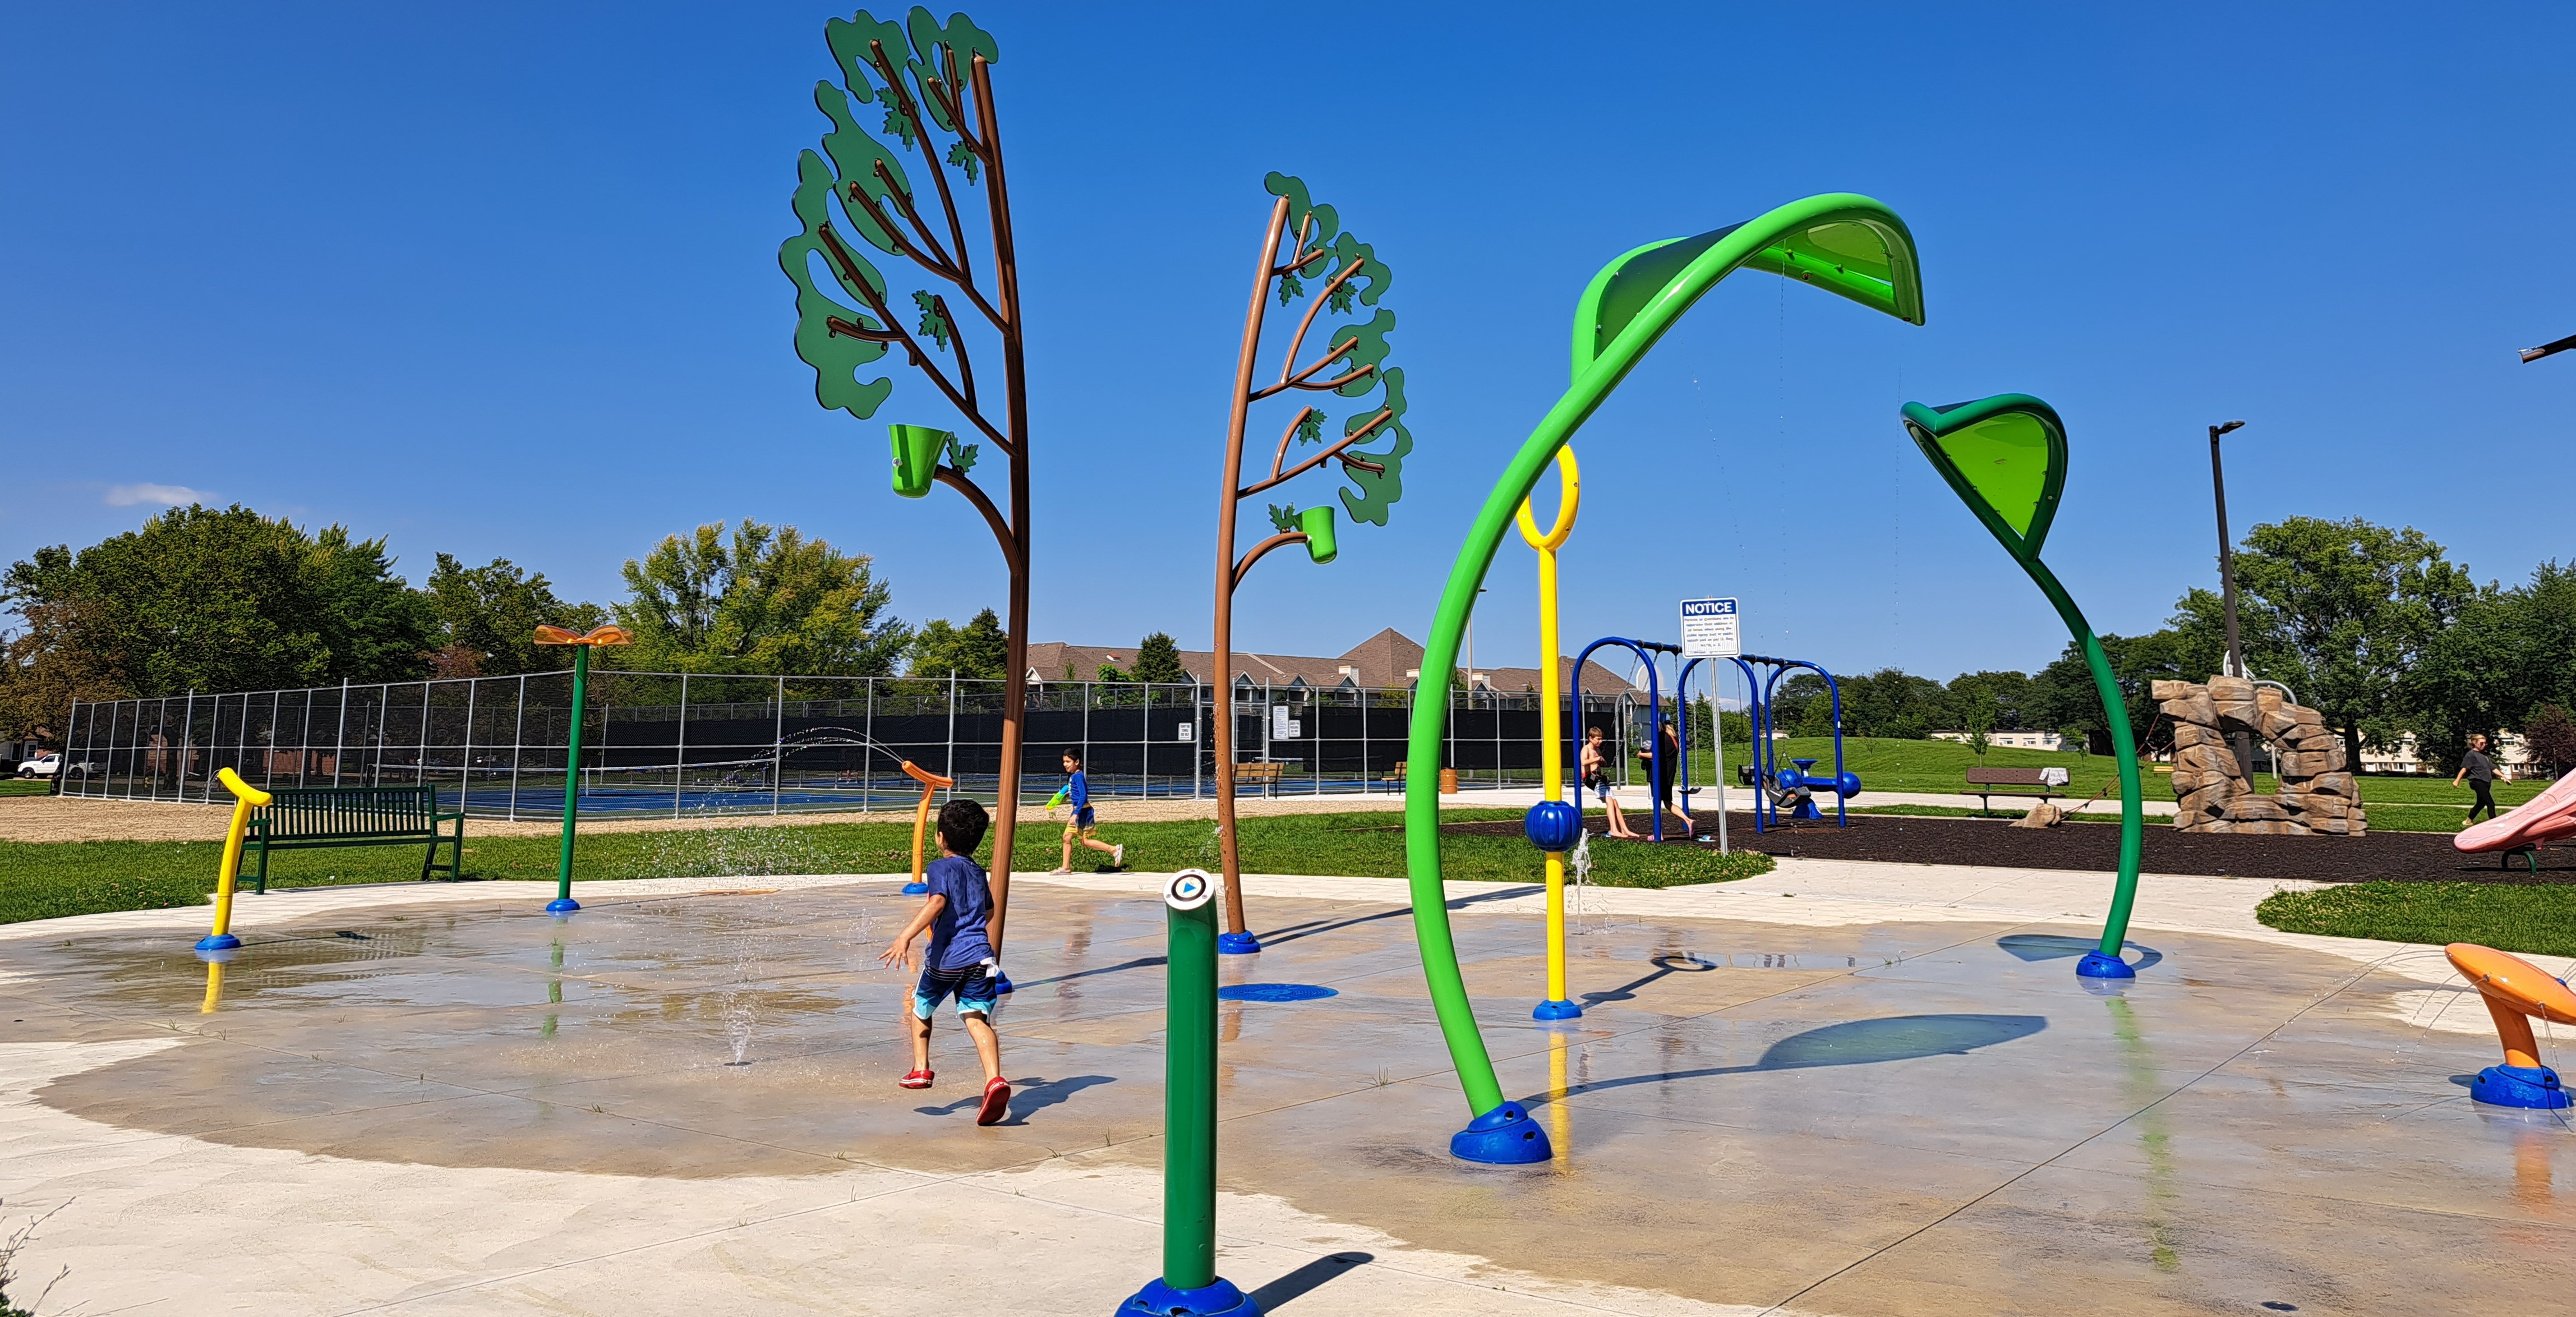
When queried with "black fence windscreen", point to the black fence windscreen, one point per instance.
{"points": [[680, 744]]}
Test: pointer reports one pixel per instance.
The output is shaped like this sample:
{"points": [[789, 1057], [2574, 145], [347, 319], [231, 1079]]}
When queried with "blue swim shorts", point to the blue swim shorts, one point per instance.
{"points": [[975, 991]]}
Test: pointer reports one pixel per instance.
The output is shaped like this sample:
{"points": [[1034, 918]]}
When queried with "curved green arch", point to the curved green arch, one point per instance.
{"points": [[1841, 242]]}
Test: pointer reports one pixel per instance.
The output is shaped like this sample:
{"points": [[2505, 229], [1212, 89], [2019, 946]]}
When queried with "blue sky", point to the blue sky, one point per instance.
{"points": [[501, 280]]}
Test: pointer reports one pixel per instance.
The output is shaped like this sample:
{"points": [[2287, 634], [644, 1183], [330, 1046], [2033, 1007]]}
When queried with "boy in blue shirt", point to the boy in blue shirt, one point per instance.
{"points": [[1077, 791], [960, 959]]}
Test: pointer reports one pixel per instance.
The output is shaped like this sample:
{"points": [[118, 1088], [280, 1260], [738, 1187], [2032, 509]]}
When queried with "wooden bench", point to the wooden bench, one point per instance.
{"points": [[311, 818], [1267, 773], [1983, 782], [1394, 780]]}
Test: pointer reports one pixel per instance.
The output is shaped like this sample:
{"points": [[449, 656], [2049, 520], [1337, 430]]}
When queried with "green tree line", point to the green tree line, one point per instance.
{"points": [[226, 599], [2374, 627]]}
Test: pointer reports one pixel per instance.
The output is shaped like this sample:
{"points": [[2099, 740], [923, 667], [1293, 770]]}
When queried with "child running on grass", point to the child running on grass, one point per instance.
{"points": [[1078, 793], [960, 959]]}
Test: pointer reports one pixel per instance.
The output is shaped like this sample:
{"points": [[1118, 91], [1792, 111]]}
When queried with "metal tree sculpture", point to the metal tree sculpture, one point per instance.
{"points": [[1348, 277], [935, 85]]}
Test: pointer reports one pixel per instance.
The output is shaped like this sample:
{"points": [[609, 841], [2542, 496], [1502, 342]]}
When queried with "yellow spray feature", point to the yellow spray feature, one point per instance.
{"points": [[245, 799], [1551, 731]]}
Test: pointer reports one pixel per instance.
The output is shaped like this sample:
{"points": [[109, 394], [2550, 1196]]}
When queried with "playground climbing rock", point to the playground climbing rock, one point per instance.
{"points": [[2317, 794]]}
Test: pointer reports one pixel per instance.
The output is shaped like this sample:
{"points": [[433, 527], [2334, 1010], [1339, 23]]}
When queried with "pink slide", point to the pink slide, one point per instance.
{"points": [[2549, 817]]}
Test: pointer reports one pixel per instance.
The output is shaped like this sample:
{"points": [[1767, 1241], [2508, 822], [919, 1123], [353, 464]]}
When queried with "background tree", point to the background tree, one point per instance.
{"points": [[2550, 734], [47, 663], [487, 617], [2509, 654], [1348, 279], [1158, 659], [2355, 604], [934, 85], [760, 601], [229, 600], [977, 651]]}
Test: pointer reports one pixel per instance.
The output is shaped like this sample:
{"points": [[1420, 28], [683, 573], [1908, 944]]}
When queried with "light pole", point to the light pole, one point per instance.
{"points": [[2530, 355], [2227, 583]]}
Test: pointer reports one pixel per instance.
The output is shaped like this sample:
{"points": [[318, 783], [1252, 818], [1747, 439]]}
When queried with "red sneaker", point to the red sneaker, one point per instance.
{"points": [[997, 1102], [916, 1079]]}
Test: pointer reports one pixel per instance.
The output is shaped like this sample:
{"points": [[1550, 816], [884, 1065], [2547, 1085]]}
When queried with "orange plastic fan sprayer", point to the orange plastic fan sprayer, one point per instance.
{"points": [[2515, 991], [931, 785]]}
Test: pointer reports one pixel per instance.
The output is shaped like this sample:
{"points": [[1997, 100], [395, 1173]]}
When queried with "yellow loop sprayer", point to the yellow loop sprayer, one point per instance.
{"points": [[1548, 827]]}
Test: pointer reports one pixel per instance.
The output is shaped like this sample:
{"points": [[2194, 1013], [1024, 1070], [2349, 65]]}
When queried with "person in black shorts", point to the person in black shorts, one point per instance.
{"points": [[960, 961], [2481, 773]]}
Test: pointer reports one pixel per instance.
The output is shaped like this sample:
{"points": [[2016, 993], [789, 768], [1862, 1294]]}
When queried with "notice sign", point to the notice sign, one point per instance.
{"points": [[1709, 629]]}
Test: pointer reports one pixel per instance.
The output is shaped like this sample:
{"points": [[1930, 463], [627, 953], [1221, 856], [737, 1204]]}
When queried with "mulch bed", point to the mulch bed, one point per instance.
{"points": [[2378, 856]]}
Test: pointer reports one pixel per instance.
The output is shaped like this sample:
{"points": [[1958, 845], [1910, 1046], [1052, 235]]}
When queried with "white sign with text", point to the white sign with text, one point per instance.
{"points": [[1711, 629]]}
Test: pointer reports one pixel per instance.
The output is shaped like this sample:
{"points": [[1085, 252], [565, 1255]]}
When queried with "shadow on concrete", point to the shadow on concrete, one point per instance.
{"points": [[1311, 1276], [1312, 927], [2056, 946], [1853, 1042], [1027, 1097]]}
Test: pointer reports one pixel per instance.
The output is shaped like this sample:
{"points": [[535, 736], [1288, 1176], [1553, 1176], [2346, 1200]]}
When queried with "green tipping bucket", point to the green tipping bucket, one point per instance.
{"points": [[916, 457], [1318, 525]]}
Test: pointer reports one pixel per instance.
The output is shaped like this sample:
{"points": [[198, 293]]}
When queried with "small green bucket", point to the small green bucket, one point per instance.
{"points": [[916, 457], [1318, 525]]}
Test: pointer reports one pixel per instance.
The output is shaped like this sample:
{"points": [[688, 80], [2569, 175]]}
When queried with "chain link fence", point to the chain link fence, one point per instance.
{"points": [[675, 744]]}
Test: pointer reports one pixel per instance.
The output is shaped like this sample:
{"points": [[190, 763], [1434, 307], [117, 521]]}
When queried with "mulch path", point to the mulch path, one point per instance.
{"points": [[2378, 856]]}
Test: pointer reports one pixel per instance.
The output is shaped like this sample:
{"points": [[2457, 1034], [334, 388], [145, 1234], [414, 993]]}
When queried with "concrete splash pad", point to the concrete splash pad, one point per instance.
{"points": [[683, 1101]]}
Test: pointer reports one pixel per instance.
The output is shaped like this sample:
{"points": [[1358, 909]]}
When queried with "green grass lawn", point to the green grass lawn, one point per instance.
{"points": [[26, 786], [1941, 766], [2534, 920], [42, 880]]}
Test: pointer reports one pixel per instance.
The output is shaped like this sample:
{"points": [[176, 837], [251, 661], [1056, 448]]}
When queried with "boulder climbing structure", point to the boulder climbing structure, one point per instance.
{"points": [[2317, 794]]}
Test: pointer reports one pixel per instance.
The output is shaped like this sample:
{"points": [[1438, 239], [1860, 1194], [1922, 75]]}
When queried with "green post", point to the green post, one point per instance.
{"points": [[1189, 1283], [563, 902]]}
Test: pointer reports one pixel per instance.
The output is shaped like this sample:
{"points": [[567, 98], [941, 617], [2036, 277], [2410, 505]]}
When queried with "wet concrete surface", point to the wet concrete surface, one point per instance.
{"points": [[1928, 1117]]}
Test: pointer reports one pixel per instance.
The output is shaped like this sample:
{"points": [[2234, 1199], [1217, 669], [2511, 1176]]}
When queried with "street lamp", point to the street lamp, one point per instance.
{"points": [[2227, 584], [2546, 349]]}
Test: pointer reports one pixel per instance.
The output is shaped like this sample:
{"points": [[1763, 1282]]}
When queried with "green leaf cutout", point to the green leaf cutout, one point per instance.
{"points": [[2006, 458]]}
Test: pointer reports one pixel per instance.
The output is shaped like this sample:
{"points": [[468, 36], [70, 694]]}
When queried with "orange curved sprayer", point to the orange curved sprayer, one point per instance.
{"points": [[2515, 991], [931, 785]]}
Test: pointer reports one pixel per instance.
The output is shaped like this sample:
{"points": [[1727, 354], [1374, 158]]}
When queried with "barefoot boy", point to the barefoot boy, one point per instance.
{"points": [[960, 959], [1077, 792]]}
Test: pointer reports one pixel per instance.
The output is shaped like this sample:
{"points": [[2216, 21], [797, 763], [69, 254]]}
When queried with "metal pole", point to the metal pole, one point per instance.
{"points": [[680, 752], [563, 902], [340, 734], [465, 769], [2227, 581], [777, 739], [518, 744], [1717, 747], [951, 760], [187, 747]]}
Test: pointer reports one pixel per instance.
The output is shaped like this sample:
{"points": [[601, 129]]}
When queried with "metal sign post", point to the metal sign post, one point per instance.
{"points": [[1713, 628]]}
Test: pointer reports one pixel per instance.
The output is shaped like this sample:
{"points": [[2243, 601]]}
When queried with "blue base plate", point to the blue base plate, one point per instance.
{"points": [[1221, 1299], [1504, 1136], [916, 889], [2095, 965], [218, 942], [2519, 1086], [562, 905], [1237, 944], [1557, 1010]]}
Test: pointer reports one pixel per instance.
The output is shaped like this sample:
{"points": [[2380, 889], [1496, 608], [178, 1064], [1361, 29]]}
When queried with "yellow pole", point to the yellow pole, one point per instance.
{"points": [[245, 799], [1550, 721], [931, 784], [214, 987]]}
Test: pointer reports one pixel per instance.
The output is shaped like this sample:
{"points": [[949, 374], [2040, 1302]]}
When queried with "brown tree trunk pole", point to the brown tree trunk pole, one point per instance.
{"points": [[1222, 640], [1015, 689]]}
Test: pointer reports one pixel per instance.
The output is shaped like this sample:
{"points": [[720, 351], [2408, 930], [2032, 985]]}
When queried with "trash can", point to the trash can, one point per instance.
{"points": [[1448, 781]]}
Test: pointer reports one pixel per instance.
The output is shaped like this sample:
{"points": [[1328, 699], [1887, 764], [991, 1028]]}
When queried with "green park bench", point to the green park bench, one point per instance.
{"points": [[311, 818]]}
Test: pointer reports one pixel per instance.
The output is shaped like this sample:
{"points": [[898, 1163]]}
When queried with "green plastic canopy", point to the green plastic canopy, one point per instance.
{"points": [[1846, 244]]}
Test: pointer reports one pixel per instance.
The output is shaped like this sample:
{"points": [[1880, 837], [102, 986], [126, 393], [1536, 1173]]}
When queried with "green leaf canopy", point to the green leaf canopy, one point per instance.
{"points": [[2006, 457]]}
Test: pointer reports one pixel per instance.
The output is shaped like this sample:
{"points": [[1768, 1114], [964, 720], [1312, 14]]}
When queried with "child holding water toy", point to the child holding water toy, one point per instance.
{"points": [[960, 960], [1077, 792]]}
